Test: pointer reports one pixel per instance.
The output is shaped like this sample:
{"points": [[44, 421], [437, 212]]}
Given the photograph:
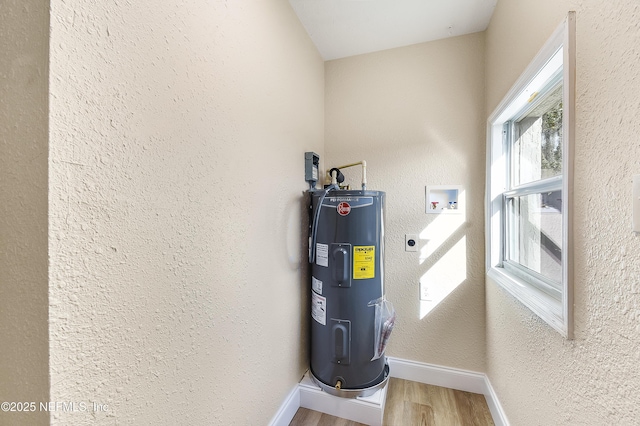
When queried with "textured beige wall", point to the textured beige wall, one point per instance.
{"points": [[24, 354], [541, 378], [177, 277], [415, 114]]}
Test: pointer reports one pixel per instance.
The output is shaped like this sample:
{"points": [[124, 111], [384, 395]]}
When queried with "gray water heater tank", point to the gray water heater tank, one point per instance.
{"points": [[347, 279]]}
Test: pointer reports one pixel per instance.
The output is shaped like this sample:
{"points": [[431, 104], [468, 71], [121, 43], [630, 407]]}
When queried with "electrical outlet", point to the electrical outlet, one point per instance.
{"points": [[411, 242]]}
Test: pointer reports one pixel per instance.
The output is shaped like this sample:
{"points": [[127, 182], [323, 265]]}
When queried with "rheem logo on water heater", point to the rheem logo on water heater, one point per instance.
{"points": [[344, 208]]}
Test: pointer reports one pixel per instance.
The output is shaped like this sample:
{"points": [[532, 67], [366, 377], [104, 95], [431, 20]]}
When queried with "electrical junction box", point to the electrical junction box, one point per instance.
{"points": [[311, 163]]}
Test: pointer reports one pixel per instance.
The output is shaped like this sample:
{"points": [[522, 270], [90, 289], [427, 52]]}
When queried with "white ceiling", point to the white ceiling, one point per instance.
{"points": [[341, 28]]}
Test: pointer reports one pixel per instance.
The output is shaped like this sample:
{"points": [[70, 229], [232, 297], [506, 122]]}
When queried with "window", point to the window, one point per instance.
{"points": [[529, 184]]}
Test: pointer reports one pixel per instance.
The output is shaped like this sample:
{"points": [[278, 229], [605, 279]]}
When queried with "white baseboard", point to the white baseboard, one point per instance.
{"points": [[288, 409], [498, 414], [367, 411], [447, 377], [453, 378]]}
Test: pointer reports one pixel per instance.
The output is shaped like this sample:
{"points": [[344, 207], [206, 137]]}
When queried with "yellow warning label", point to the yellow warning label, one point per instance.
{"points": [[364, 262]]}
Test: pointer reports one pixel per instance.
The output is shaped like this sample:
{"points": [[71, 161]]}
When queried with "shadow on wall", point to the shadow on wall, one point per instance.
{"points": [[443, 257]]}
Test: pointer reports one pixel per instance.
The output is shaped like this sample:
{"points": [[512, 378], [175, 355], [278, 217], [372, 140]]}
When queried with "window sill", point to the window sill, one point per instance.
{"points": [[542, 304]]}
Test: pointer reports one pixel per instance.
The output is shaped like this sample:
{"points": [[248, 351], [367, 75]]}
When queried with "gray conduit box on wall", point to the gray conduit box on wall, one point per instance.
{"points": [[311, 163]]}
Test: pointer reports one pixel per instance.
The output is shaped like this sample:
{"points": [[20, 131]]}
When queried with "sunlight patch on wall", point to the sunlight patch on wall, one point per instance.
{"points": [[443, 277]]}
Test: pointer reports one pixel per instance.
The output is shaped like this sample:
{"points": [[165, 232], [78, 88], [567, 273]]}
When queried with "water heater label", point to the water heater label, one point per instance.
{"points": [[322, 255], [364, 262], [316, 285], [319, 308]]}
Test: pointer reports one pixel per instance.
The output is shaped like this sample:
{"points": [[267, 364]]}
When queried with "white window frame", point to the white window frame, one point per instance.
{"points": [[556, 310]]}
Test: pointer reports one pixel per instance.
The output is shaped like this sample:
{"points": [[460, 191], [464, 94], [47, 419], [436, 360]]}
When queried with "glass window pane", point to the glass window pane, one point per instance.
{"points": [[534, 233], [537, 141]]}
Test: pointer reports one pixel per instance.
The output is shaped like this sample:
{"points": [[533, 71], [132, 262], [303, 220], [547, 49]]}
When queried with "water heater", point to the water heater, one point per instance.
{"points": [[349, 319]]}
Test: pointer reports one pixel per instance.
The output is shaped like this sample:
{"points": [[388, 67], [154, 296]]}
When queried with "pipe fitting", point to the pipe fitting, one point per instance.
{"points": [[362, 163]]}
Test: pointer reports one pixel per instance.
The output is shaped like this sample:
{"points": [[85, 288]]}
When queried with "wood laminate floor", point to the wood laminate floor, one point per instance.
{"points": [[415, 404]]}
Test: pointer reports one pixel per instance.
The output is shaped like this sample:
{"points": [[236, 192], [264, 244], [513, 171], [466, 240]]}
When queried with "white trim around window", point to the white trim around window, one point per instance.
{"points": [[552, 304]]}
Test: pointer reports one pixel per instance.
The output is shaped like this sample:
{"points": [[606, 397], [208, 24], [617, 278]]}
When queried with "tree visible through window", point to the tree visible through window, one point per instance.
{"points": [[552, 145]]}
